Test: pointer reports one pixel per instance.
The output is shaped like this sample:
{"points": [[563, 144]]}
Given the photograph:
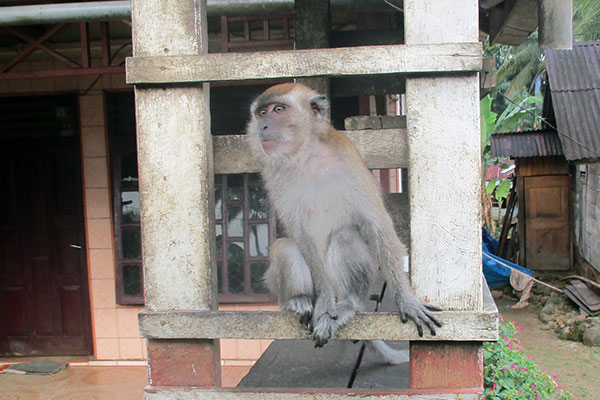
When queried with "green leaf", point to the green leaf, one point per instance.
{"points": [[491, 186], [502, 189]]}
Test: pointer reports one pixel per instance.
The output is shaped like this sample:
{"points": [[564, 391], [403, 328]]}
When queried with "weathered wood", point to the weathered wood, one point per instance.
{"points": [[451, 57], [175, 167], [176, 191], [458, 326], [444, 146], [368, 85], [555, 20], [446, 365], [184, 362], [382, 148], [374, 122], [164, 393]]}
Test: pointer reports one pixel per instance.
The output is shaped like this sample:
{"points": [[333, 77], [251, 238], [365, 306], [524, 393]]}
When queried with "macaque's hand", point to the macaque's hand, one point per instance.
{"points": [[410, 307]]}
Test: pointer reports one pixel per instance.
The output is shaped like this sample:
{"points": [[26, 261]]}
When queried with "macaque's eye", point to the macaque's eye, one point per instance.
{"points": [[279, 109], [262, 112]]}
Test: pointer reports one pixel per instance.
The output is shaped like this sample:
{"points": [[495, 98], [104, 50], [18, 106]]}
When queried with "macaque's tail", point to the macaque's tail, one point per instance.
{"points": [[387, 354]]}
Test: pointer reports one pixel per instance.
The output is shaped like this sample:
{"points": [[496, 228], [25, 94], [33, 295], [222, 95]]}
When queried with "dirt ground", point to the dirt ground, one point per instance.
{"points": [[576, 366]]}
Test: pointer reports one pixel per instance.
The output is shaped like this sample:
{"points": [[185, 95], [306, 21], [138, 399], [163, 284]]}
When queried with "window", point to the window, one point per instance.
{"points": [[245, 226], [125, 198]]}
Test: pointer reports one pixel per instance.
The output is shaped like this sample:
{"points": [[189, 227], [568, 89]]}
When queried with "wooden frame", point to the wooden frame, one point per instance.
{"points": [[347, 61], [441, 63]]}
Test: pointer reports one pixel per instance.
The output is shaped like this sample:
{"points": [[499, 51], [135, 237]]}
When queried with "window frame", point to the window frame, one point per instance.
{"points": [[247, 296]]}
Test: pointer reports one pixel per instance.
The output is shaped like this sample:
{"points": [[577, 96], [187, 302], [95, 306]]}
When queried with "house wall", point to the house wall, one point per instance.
{"points": [[587, 219], [115, 328]]}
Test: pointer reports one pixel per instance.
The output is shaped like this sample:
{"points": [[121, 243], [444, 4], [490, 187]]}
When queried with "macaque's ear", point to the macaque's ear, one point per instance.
{"points": [[320, 107]]}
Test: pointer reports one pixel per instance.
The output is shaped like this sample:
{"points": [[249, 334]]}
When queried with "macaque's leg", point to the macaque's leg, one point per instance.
{"points": [[347, 270], [289, 278]]}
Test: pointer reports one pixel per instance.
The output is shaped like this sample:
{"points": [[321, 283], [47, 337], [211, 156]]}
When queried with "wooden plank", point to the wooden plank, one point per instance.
{"points": [[176, 191], [175, 393], [446, 365], [387, 59], [382, 148], [458, 326]]}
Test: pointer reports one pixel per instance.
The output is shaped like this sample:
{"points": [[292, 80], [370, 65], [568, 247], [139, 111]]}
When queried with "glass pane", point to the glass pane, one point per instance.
{"points": [[220, 276], [259, 203], [257, 271], [131, 243], [219, 229], [218, 203], [129, 170], [235, 221], [235, 267], [132, 280], [259, 240], [130, 207], [235, 187]]}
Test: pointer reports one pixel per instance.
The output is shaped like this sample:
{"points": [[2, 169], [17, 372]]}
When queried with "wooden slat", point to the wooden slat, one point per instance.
{"points": [[458, 326], [389, 59], [382, 148], [172, 393]]}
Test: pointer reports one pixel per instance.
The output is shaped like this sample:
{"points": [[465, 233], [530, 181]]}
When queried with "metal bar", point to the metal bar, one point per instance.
{"points": [[111, 10]]}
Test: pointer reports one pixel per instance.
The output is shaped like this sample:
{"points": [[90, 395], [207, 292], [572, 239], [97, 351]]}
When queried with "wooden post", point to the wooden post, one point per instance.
{"points": [[312, 31], [176, 190], [445, 168], [555, 21]]}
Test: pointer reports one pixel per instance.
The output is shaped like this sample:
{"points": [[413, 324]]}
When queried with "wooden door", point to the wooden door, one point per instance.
{"points": [[44, 298], [547, 232]]}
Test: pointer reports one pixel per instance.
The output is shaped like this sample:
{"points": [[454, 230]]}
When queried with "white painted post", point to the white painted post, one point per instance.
{"points": [[444, 162], [445, 183], [176, 190]]}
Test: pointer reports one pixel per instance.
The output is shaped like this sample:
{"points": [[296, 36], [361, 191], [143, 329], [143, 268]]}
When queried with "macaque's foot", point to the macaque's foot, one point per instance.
{"points": [[324, 326], [410, 307], [302, 306]]}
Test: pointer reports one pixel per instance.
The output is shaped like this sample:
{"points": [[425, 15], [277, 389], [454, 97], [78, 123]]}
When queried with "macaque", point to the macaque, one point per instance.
{"points": [[339, 231]]}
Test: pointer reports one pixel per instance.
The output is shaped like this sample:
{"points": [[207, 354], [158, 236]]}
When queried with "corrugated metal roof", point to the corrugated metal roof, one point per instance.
{"points": [[526, 144], [574, 77]]}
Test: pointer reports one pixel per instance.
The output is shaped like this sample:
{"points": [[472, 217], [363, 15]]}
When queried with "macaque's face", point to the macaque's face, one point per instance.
{"points": [[285, 118], [274, 126]]}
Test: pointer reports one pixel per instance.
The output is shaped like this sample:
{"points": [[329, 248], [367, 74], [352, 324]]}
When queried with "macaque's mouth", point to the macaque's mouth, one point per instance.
{"points": [[270, 145]]}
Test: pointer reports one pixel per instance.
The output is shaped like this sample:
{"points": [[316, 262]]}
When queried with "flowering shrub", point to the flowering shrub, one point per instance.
{"points": [[509, 374]]}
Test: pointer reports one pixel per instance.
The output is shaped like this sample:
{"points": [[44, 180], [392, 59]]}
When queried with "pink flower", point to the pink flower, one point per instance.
{"points": [[491, 389], [525, 369], [539, 397], [554, 377], [518, 391], [512, 367], [533, 386], [529, 358], [505, 367]]}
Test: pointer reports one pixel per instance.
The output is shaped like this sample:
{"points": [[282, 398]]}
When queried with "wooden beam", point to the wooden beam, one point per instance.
{"points": [[555, 20], [383, 148], [165, 393], [458, 326], [451, 57]]}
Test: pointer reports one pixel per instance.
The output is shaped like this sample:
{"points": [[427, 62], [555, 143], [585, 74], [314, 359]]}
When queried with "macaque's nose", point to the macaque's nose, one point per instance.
{"points": [[265, 127]]}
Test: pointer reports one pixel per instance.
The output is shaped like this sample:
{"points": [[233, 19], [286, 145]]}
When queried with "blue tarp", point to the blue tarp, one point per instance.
{"points": [[495, 274]]}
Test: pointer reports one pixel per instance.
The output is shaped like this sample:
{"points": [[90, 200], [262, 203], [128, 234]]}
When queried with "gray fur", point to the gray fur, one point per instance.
{"points": [[332, 209]]}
